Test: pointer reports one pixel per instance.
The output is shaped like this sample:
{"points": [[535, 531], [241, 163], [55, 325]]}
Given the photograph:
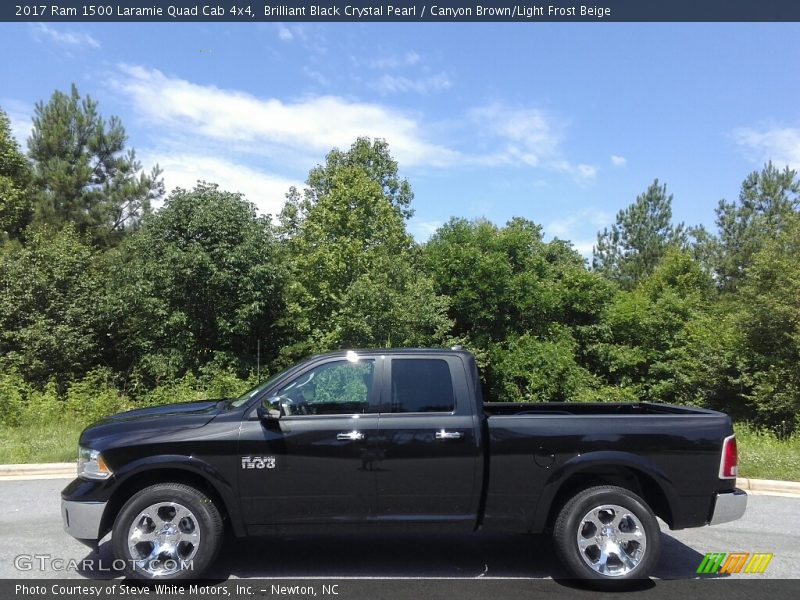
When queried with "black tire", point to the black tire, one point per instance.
{"points": [[640, 550], [168, 501]]}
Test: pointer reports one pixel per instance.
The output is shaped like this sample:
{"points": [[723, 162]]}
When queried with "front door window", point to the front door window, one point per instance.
{"points": [[334, 388]]}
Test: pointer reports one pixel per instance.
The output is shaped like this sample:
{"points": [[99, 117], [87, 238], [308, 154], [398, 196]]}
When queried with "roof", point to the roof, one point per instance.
{"points": [[343, 352]]}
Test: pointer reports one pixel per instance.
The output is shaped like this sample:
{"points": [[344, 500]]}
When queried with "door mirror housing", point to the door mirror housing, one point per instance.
{"points": [[271, 409]]}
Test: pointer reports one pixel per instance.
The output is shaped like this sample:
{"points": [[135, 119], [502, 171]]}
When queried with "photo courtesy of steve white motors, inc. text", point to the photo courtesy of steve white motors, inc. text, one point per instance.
{"points": [[167, 590]]}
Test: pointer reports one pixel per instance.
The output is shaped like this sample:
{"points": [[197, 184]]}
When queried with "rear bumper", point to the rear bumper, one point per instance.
{"points": [[82, 519], [728, 507]]}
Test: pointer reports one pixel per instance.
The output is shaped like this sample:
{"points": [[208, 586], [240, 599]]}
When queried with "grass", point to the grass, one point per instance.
{"points": [[40, 443], [764, 456], [761, 454]]}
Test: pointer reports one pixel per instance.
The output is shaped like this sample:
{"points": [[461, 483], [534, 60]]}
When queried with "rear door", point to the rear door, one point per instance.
{"points": [[429, 442]]}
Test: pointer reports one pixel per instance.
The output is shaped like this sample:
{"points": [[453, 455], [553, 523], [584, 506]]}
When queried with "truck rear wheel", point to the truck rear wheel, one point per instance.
{"points": [[167, 531], [607, 535]]}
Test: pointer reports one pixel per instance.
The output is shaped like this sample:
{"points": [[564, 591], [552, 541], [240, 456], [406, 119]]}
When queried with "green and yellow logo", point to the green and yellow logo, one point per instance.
{"points": [[734, 562]]}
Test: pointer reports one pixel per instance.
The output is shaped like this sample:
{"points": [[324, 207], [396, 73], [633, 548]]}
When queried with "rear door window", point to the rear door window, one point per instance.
{"points": [[421, 385]]}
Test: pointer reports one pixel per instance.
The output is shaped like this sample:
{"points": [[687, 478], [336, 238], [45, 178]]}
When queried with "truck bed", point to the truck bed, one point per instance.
{"points": [[533, 447], [509, 409]]}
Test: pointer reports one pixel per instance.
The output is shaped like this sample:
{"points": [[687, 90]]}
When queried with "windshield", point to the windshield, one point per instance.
{"points": [[237, 402]]}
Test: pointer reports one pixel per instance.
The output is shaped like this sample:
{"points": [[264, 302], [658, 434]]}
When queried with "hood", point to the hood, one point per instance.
{"points": [[154, 420]]}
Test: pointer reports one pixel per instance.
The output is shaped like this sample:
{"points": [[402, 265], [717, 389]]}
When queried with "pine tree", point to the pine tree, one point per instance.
{"points": [[635, 244], [766, 201], [82, 171]]}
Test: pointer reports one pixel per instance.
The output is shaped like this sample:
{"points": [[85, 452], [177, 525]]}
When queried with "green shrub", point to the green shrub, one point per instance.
{"points": [[608, 393], [223, 382], [40, 443], [94, 397], [186, 389], [42, 407], [14, 393], [765, 455], [528, 369]]}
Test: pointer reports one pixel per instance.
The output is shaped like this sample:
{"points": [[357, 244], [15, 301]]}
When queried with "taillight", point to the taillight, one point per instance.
{"points": [[728, 463]]}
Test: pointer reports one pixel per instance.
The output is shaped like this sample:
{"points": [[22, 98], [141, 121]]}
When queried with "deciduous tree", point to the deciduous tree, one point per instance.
{"points": [[355, 279], [50, 306], [15, 178], [200, 281]]}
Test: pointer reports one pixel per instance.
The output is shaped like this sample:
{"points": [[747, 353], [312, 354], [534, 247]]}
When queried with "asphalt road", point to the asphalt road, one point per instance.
{"points": [[30, 524]]}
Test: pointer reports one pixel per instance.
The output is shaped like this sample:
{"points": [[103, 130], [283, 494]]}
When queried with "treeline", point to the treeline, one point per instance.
{"points": [[103, 295]]}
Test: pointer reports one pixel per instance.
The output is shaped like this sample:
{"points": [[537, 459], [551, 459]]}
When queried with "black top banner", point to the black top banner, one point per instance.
{"points": [[439, 11]]}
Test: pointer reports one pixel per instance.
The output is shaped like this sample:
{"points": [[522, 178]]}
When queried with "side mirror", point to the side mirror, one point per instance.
{"points": [[271, 409]]}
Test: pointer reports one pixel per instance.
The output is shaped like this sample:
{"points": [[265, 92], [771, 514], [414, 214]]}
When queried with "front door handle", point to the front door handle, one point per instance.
{"points": [[350, 436], [448, 435]]}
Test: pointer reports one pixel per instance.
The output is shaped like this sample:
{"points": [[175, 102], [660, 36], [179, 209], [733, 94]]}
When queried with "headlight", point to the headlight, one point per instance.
{"points": [[91, 464]]}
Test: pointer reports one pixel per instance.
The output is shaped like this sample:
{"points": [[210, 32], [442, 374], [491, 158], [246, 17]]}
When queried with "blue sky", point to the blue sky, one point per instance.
{"points": [[560, 123]]}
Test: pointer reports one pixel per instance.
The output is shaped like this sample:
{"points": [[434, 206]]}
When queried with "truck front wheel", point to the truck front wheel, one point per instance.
{"points": [[607, 535], [167, 531]]}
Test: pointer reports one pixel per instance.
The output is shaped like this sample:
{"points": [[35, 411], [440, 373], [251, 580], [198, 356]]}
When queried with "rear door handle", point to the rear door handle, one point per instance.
{"points": [[448, 435], [350, 436]]}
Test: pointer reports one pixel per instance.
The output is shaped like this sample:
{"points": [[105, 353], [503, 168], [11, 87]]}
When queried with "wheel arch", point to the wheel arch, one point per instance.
{"points": [[622, 469], [183, 470]]}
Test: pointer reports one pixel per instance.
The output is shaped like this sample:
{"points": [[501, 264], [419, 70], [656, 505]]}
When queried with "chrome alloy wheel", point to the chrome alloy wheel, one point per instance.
{"points": [[163, 538], [611, 540]]}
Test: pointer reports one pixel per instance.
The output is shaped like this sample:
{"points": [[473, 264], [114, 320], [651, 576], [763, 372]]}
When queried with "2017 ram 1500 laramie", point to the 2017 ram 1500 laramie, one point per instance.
{"points": [[377, 439]]}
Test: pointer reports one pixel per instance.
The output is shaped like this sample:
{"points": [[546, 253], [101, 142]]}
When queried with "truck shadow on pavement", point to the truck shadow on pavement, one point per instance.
{"points": [[493, 555]]}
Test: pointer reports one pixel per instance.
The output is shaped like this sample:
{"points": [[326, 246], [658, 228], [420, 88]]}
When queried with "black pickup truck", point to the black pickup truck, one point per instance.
{"points": [[381, 439]]}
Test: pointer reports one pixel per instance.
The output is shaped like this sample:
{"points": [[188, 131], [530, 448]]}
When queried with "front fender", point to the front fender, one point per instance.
{"points": [[123, 484]]}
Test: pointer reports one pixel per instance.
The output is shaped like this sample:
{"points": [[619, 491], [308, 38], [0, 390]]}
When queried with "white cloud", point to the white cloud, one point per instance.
{"points": [[311, 125], [423, 230], [583, 171], [561, 228], [289, 33], [265, 190], [410, 75], [566, 228], [62, 37], [409, 59], [298, 132], [530, 137], [388, 84], [781, 145], [529, 134], [19, 114], [584, 247], [618, 161], [316, 76], [306, 35]]}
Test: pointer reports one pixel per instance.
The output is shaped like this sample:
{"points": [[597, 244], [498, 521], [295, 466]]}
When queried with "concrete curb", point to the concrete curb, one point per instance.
{"points": [[43, 470], [52, 470], [768, 485]]}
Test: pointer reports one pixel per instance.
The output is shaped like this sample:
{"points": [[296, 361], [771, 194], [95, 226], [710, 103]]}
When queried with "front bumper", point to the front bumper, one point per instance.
{"points": [[728, 507], [82, 519]]}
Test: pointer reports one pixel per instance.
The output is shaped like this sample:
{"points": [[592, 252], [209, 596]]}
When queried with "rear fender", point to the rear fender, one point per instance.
{"points": [[591, 461]]}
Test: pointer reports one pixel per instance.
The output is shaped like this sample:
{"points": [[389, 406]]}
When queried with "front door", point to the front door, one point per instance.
{"points": [[313, 464]]}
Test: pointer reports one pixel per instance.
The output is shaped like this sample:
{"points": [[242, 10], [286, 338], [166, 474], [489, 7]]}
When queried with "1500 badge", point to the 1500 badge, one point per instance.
{"points": [[258, 462]]}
